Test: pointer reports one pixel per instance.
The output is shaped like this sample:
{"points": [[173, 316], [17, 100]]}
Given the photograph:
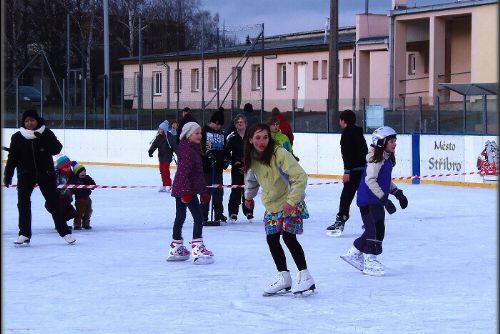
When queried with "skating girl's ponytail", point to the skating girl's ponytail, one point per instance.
{"points": [[249, 151]]}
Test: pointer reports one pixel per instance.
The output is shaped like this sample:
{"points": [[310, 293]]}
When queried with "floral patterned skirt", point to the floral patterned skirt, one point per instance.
{"points": [[275, 222]]}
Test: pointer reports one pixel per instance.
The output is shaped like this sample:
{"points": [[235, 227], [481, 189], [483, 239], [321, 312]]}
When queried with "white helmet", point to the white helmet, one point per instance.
{"points": [[379, 136]]}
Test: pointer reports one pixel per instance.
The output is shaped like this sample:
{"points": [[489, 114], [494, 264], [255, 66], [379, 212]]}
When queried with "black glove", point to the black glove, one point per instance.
{"points": [[389, 206], [150, 154], [7, 181], [403, 201], [211, 159]]}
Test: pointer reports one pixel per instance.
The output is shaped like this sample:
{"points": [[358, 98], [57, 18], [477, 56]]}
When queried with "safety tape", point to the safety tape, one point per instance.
{"points": [[80, 186]]}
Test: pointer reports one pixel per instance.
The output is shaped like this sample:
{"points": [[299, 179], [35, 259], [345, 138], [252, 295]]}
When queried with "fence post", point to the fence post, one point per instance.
{"points": [[403, 112], [64, 104], [420, 113], [41, 96], [151, 110], [293, 114], [17, 103], [84, 92], [364, 113], [327, 117], [465, 114], [437, 104], [485, 110], [122, 91]]}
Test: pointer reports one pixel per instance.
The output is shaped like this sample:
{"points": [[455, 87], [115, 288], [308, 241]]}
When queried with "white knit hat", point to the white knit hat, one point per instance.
{"points": [[188, 129]]}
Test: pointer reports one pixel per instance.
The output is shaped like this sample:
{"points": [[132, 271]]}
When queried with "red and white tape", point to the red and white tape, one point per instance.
{"points": [[79, 186]]}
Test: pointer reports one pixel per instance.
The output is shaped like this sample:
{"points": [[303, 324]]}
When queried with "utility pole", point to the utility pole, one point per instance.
{"points": [[65, 92], [333, 76], [107, 104]]}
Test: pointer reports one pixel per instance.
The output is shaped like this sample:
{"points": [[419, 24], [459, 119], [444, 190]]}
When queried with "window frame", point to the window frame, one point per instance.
{"points": [[282, 76], [195, 80], [256, 77], [157, 83], [178, 81]]}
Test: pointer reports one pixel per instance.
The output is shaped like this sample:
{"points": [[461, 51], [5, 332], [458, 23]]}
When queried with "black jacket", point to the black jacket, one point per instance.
{"points": [[234, 148], [32, 157], [79, 193], [166, 146], [212, 144], [354, 149]]}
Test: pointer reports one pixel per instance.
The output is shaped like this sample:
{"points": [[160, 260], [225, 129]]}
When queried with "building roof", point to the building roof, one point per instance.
{"points": [[439, 7], [304, 41], [469, 89]]}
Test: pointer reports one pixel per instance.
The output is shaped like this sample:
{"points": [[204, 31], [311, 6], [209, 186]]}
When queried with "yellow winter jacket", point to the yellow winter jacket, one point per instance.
{"points": [[283, 181]]}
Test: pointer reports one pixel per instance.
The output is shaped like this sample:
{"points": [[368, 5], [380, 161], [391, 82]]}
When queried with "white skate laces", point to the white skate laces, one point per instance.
{"points": [[371, 266]]}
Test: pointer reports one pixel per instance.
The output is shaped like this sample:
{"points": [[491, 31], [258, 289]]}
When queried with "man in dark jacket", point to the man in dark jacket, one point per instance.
{"points": [[354, 151], [186, 118], [31, 150], [212, 146]]}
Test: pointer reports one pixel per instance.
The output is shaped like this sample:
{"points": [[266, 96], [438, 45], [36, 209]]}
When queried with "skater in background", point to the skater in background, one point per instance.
{"points": [[30, 153], [83, 202], [174, 125], [188, 182], [283, 184], [166, 145], [354, 150], [186, 118], [280, 138], [373, 197], [249, 115], [284, 126], [64, 171], [214, 162], [234, 153]]}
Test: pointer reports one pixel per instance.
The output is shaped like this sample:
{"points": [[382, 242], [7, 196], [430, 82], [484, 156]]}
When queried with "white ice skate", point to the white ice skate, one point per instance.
{"points": [[22, 241], [354, 257], [162, 190], [281, 284], [177, 251], [305, 284], [372, 266], [201, 255], [69, 238], [233, 218]]}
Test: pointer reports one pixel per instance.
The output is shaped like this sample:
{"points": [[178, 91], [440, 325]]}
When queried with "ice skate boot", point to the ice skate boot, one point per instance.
{"points": [[282, 284], [354, 257], [201, 255], [220, 218], [69, 238], [22, 241], [233, 218], [372, 266], [250, 217], [305, 284], [177, 251], [336, 229]]}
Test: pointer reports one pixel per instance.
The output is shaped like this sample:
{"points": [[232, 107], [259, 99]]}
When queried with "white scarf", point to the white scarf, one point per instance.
{"points": [[30, 134]]}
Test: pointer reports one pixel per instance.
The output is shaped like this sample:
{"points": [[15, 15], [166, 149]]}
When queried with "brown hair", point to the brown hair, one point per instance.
{"points": [[248, 150], [378, 156], [275, 111]]}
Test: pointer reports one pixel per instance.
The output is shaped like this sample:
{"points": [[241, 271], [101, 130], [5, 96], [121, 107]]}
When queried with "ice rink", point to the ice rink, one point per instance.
{"points": [[440, 256]]}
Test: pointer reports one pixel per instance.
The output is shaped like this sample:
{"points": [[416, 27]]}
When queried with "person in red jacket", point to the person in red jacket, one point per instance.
{"points": [[284, 125]]}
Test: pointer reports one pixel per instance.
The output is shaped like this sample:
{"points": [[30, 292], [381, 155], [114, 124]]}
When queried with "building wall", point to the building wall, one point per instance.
{"points": [[484, 44]]}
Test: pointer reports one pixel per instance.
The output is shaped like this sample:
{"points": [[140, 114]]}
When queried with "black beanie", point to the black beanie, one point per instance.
{"points": [[218, 117], [248, 107], [30, 113]]}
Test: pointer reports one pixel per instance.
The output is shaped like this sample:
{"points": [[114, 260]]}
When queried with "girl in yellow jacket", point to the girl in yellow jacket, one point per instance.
{"points": [[283, 184]]}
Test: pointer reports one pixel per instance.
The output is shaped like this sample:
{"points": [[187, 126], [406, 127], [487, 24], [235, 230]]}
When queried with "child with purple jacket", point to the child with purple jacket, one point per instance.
{"points": [[188, 182]]}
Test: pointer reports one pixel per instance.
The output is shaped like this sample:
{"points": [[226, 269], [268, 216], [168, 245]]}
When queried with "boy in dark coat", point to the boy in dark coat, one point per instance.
{"points": [[83, 202], [354, 150]]}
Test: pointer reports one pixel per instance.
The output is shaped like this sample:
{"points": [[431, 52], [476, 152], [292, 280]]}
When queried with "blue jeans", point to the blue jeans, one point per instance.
{"points": [[180, 217]]}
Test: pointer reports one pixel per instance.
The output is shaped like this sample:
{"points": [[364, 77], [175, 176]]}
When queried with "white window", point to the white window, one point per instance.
{"points": [[324, 69], [178, 80], [315, 70], [256, 77], [157, 83], [212, 79], [412, 64], [347, 68], [195, 80], [282, 75]]}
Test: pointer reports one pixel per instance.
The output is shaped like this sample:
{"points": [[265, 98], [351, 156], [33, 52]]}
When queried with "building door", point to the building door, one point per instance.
{"points": [[301, 85], [237, 88]]}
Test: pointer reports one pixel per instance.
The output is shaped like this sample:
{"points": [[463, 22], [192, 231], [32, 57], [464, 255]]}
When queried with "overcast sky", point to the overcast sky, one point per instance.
{"points": [[281, 17]]}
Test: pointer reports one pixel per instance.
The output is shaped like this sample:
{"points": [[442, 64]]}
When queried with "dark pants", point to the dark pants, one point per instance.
{"points": [[48, 188], [180, 218], [237, 196], [348, 192], [84, 212], [370, 242], [217, 195], [278, 254]]}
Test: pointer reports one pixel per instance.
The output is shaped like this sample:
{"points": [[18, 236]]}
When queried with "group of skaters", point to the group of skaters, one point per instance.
{"points": [[260, 156]]}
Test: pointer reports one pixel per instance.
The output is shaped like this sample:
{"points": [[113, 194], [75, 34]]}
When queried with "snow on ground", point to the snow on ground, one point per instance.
{"points": [[440, 256]]}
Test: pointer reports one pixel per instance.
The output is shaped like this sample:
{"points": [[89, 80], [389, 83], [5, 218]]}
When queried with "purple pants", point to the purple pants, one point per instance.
{"points": [[370, 242]]}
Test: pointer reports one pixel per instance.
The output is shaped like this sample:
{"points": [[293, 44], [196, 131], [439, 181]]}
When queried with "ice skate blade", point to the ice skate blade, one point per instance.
{"points": [[203, 260], [334, 233], [24, 244], [352, 263], [279, 293], [305, 293], [373, 273], [177, 258]]}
